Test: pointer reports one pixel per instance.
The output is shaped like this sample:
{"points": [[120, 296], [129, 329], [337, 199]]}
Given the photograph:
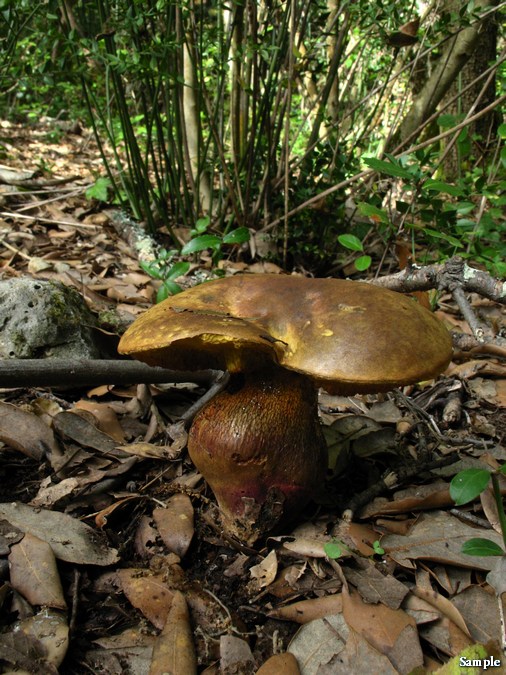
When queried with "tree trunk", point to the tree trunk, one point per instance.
{"points": [[455, 55]]}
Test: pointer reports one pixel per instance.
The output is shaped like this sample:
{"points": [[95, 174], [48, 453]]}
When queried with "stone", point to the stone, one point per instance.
{"points": [[44, 319]]}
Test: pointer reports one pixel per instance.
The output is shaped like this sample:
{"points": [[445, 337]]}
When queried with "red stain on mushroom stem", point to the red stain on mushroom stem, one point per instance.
{"points": [[261, 449]]}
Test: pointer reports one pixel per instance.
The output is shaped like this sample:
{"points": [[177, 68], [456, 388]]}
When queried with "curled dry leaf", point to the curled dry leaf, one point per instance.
{"points": [[265, 572], [34, 573], [174, 651], [26, 432], [305, 611], [175, 524], [70, 539]]}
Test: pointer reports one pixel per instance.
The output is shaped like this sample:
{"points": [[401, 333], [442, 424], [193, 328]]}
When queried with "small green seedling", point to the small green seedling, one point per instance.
{"points": [[466, 486], [335, 549]]}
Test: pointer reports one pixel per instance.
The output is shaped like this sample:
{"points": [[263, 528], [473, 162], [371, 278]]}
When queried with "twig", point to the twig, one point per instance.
{"points": [[68, 372], [52, 221], [446, 277]]}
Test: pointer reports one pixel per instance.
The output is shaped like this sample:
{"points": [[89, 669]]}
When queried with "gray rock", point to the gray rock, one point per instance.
{"points": [[44, 319]]}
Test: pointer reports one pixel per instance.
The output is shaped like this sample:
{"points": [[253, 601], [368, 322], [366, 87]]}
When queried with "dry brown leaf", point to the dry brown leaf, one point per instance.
{"points": [[480, 612], [280, 664], [147, 592], [103, 515], [445, 636], [107, 420], [497, 576], [235, 656], [175, 524], [443, 605], [81, 430], [415, 498], [358, 656], [265, 572], [26, 432], [421, 610], [174, 651], [34, 573], [305, 611], [50, 627], [70, 539], [375, 586], [391, 631], [438, 536]]}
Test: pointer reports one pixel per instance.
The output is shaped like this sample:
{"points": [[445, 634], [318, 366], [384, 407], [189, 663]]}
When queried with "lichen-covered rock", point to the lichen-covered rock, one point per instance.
{"points": [[44, 319]]}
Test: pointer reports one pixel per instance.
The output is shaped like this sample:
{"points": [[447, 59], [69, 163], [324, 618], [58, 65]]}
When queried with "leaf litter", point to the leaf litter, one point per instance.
{"points": [[114, 544]]}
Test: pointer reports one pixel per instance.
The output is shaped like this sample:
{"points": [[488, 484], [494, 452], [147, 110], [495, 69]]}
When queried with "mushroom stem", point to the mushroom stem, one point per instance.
{"points": [[260, 447]]}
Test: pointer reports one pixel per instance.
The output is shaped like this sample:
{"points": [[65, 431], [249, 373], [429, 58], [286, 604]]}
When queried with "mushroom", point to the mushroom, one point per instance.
{"points": [[259, 443]]}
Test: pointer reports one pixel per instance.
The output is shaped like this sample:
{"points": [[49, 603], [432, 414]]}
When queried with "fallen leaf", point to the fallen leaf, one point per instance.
{"points": [[175, 523], [70, 539], [391, 631], [107, 420], [437, 536], [280, 664], [265, 572], [235, 656], [174, 651], [26, 432], [305, 611], [50, 627], [147, 592], [34, 574]]}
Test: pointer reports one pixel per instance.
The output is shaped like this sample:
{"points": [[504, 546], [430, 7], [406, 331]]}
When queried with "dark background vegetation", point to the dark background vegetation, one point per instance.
{"points": [[336, 137]]}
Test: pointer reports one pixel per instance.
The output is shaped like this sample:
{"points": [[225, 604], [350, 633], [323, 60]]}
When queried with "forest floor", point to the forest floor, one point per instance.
{"points": [[388, 592]]}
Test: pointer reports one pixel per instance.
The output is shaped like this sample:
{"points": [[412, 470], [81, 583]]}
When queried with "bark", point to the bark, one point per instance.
{"points": [[191, 112], [454, 273], [457, 52]]}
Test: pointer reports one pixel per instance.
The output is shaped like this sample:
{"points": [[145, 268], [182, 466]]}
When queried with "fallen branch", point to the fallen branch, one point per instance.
{"points": [[447, 276], [68, 372]]}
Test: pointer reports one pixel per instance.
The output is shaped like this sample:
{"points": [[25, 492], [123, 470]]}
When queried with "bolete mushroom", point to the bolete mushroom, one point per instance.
{"points": [[259, 443]]}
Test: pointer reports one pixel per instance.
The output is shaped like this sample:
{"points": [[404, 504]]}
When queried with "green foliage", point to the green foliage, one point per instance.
{"points": [[167, 271], [464, 217], [335, 549], [466, 486]]}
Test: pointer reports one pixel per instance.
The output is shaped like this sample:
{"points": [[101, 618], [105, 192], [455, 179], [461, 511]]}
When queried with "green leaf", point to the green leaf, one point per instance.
{"points": [[468, 484], [372, 211], [441, 186], [446, 121], [350, 241], [480, 546], [202, 224], [167, 289], [442, 235], [334, 549], [201, 243], [179, 269], [502, 130], [377, 548], [99, 190], [502, 469], [363, 263], [151, 268], [238, 236], [388, 167]]}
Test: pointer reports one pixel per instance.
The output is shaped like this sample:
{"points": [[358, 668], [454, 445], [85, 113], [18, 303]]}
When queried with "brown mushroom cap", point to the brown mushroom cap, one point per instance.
{"points": [[347, 336]]}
